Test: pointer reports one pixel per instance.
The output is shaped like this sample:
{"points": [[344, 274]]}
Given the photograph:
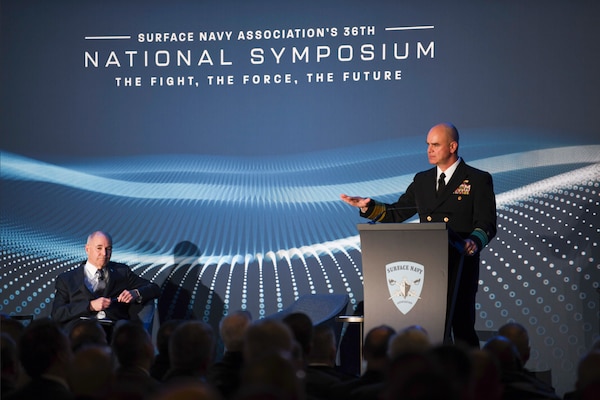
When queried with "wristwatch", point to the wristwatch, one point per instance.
{"points": [[139, 296]]}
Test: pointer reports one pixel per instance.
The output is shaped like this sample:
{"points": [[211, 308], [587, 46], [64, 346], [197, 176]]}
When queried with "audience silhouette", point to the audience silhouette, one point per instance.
{"points": [[268, 359], [375, 355], [518, 384], [225, 374], [45, 354], [162, 360], [587, 386], [321, 370], [92, 373], [85, 332], [191, 351], [134, 352], [11, 370]]}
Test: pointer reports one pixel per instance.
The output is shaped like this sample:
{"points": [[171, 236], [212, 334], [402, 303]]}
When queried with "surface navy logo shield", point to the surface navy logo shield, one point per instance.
{"points": [[405, 281]]}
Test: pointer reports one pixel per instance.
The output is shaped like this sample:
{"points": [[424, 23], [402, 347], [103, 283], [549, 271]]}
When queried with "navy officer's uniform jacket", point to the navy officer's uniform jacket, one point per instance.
{"points": [[468, 206]]}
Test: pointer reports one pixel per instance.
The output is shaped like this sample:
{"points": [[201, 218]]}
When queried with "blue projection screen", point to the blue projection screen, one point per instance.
{"points": [[212, 139]]}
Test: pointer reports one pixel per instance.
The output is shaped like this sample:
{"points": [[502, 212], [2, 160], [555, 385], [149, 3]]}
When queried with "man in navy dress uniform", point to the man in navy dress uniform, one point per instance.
{"points": [[462, 197]]}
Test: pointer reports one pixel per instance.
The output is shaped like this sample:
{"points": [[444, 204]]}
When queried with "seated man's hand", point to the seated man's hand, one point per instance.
{"points": [[99, 304], [126, 296]]}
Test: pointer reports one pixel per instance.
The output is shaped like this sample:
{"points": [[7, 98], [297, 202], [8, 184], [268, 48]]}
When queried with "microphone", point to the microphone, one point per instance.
{"points": [[374, 220]]}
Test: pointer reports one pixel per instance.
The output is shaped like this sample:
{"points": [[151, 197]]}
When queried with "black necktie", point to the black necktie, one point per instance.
{"points": [[441, 183]]}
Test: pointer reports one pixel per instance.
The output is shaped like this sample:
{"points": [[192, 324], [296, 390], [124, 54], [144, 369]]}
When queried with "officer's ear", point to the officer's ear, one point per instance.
{"points": [[454, 146]]}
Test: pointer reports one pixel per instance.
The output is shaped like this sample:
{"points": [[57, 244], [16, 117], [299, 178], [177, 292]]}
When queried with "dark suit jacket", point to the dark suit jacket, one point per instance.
{"points": [[467, 205], [41, 388], [320, 379], [72, 298], [344, 390], [226, 375], [134, 383]]}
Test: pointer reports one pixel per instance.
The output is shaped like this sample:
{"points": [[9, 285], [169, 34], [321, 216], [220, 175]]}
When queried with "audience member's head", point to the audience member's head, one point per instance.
{"points": [[456, 365], [188, 391], [163, 335], [162, 361], [91, 375], [486, 381], [192, 346], [409, 340], [45, 349], [85, 332], [505, 352], [267, 336], [375, 348], [302, 329], [14, 330], [11, 367], [417, 376], [518, 335], [588, 371], [324, 346], [133, 346], [233, 328], [11, 327], [271, 376]]}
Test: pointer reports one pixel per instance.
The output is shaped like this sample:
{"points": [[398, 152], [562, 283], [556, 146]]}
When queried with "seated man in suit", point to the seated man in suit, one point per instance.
{"points": [[99, 288]]}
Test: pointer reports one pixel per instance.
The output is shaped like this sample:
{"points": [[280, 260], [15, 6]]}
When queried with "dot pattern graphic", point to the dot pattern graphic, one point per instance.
{"points": [[542, 269]]}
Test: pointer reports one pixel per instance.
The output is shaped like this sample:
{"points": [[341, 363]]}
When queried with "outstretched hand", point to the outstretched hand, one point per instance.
{"points": [[356, 201]]}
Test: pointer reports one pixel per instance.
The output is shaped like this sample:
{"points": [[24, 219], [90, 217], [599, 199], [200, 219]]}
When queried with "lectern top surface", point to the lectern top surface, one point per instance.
{"points": [[428, 226]]}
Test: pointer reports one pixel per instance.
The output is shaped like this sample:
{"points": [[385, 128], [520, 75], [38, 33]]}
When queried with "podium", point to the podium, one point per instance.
{"points": [[405, 276]]}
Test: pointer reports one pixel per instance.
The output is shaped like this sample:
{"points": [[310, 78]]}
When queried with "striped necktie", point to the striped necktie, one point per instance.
{"points": [[100, 281]]}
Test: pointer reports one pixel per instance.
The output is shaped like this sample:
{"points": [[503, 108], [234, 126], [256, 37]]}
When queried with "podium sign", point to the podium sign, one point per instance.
{"points": [[405, 276]]}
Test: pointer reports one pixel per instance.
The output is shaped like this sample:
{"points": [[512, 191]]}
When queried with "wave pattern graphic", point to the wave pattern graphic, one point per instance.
{"points": [[223, 233]]}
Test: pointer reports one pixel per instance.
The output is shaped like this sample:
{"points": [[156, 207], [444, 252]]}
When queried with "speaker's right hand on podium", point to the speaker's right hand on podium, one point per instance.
{"points": [[356, 201]]}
